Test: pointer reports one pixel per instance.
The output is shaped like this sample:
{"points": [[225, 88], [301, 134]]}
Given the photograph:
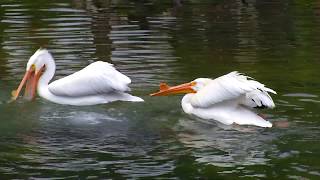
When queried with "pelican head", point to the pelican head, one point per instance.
{"points": [[200, 83], [38, 60], [190, 87], [36, 66]]}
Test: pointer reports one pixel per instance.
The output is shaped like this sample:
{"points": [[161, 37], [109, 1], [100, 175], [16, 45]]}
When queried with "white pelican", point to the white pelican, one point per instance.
{"points": [[97, 83], [228, 99]]}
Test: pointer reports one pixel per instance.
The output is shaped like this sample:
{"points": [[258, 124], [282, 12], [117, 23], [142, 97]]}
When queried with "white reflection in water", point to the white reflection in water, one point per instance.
{"points": [[305, 95], [81, 117], [225, 146], [89, 118]]}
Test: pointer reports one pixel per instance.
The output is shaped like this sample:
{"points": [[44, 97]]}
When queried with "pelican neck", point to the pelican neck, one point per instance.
{"points": [[48, 73]]}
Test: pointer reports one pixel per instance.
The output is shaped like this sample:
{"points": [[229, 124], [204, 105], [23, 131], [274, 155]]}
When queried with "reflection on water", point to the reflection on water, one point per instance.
{"points": [[77, 37], [138, 52], [226, 146], [66, 28], [154, 41]]}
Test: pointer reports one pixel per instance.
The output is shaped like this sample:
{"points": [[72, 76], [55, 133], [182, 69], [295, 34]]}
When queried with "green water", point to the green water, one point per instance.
{"points": [[278, 43]]}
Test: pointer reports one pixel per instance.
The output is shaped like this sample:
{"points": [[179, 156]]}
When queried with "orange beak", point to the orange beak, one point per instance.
{"points": [[30, 78], [166, 90]]}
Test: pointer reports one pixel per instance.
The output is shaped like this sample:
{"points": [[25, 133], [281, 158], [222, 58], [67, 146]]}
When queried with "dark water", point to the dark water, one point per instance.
{"points": [[278, 43]]}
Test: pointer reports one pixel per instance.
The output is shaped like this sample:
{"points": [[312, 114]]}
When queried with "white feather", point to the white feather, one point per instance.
{"points": [[97, 78], [228, 87], [229, 99]]}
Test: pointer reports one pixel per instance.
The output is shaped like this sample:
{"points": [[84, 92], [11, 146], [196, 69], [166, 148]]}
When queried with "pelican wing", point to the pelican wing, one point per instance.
{"points": [[97, 78], [233, 87]]}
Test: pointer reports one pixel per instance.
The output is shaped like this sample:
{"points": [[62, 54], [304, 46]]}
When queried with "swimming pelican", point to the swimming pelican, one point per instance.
{"points": [[228, 99], [97, 83]]}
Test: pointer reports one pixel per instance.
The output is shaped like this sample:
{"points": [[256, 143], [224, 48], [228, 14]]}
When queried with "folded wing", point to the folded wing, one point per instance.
{"points": [[233, 87], [97, 78]]}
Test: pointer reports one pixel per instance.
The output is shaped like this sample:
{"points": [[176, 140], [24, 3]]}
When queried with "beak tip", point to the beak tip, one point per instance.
{"points": [[14, 94]]}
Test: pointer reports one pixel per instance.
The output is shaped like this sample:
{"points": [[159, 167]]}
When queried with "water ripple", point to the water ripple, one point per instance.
{"points": [[151, 42]]}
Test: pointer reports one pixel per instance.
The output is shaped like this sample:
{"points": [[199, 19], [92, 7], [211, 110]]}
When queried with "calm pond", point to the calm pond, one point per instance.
{"points": [[276, 42]]}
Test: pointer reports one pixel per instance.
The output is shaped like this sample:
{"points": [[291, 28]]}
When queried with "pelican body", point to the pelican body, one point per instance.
{"points": [[229, 99], [98, 83]]}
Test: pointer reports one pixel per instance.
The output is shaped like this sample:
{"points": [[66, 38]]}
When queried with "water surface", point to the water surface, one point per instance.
{"points": [[278, 43]]}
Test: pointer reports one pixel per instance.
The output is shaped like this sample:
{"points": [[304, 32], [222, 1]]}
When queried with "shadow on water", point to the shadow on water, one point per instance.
{"points": [[151, 42]]}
